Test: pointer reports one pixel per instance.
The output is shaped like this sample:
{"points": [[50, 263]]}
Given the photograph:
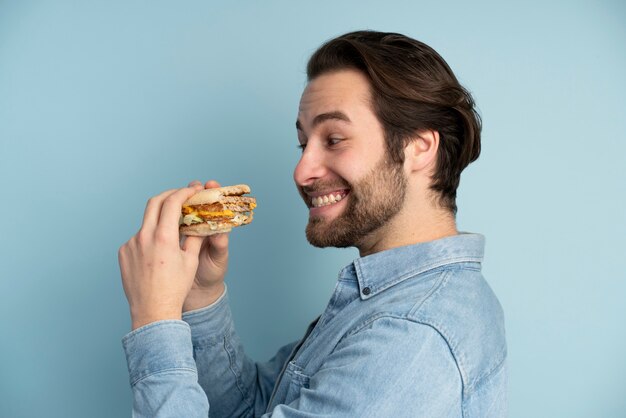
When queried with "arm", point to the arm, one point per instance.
{"points": [[403, 364], [158, 274], [163, 376], [234, 385], [390, 367], [162, 278], [171, 377], [231, 381], [162, 275]]}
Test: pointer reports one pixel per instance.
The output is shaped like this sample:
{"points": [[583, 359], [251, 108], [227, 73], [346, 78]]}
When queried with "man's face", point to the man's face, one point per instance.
{"points": [[344, 175]]}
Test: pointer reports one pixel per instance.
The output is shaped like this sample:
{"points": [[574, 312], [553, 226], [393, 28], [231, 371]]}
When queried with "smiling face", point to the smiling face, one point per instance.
{"points": [[345, 177]]}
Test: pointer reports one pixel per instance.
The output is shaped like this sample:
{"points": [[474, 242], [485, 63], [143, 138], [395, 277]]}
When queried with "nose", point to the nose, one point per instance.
{"points": [[310, 167]]}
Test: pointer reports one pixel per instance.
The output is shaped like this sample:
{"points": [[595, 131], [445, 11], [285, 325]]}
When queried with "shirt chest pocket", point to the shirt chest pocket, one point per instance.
{"points": [[297, 379]]}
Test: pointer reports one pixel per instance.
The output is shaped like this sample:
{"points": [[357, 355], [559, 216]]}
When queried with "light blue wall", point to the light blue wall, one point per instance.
{"points": [[103, 104]]}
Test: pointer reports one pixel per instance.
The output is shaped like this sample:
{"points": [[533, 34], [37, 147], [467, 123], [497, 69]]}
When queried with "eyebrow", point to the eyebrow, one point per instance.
{"points": [[322, 117]]}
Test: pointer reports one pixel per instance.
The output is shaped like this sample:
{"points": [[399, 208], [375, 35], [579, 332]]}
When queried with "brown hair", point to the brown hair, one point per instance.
{"points": [[413, 89]]}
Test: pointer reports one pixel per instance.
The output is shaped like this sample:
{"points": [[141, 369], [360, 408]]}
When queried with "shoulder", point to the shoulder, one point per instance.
{"points": [[401, 347], [465, 311]]}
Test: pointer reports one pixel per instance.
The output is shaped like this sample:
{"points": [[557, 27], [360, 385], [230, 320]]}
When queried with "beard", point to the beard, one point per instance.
{"points": [[372, 201]]}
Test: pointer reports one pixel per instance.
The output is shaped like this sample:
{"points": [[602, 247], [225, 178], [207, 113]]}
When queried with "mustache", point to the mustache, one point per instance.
{"points": [[324, 185]]}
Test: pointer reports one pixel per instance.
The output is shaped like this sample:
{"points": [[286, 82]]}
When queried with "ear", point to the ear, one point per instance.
{"points": [[421, 152]]}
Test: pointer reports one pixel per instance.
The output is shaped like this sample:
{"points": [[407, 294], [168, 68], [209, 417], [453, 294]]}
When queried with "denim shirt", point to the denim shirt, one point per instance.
{"points": [[413, 331]]}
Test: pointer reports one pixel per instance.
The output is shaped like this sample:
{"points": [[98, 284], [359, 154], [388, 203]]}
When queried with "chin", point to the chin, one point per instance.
{"points": [[339, 233]]}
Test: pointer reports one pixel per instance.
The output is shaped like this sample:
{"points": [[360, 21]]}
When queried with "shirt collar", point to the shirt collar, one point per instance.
{"points": [[379, 271]]}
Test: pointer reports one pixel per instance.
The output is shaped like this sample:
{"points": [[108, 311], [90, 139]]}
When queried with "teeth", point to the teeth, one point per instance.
{"points": [[325, 200]]}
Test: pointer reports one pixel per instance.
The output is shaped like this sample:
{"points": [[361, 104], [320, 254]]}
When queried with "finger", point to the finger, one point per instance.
{"points": [[218, 251], [192, 245], [153, 210], [171, 210], [195, 183], [211, 184]]}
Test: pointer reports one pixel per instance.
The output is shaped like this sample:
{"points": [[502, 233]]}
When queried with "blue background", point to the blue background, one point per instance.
{"points": [[106, 103]]}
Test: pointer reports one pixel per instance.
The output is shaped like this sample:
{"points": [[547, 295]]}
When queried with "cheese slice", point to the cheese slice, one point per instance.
{"points": [[220, 214]]}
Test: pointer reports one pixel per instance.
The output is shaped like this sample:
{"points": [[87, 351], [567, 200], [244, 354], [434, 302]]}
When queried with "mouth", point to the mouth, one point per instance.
{"points": [[322, 199]]}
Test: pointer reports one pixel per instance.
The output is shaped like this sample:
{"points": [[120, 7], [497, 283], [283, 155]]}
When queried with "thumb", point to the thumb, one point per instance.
{"points": [[191, 246], [218, 251]]}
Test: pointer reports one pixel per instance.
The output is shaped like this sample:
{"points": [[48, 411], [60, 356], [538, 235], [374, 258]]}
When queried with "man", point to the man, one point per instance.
{"points": [[412, 329]]}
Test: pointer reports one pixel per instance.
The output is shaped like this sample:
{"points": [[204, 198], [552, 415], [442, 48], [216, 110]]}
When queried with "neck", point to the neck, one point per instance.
{"points": [[415, 223]]}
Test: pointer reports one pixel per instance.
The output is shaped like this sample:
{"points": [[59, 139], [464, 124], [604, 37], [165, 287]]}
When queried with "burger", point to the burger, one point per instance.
{"points": [[217, 210]]}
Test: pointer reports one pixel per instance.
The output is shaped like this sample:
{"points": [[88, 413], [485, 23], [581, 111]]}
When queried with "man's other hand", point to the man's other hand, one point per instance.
{"points": [[208, 284]]}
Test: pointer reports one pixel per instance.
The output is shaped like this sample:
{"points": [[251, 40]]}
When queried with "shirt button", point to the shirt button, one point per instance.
{"points": [[366, 291]]}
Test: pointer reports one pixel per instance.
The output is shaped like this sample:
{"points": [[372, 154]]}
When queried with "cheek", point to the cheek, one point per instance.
{"points": [[348, 167], [357, 165]]}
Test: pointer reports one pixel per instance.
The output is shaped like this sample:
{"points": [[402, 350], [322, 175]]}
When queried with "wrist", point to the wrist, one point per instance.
{"points": [[139, 321], [201, 298]]}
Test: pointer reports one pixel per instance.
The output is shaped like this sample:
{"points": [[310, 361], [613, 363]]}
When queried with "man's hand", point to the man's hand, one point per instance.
{"points": [[208, 284], [158, 269]]}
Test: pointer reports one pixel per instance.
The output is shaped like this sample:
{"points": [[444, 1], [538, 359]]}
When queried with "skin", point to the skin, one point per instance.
{"points": [[370, 203], [329, 164], [163, 277]]}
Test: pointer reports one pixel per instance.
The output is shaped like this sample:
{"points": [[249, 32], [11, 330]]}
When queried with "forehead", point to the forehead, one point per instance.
{"points": [[347, 91]]}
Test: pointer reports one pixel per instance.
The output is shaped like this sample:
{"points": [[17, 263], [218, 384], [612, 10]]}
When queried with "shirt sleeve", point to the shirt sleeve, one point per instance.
{"points": [[197, 368], [392, 367], [163, 375], [389, 367], [234, 384]]}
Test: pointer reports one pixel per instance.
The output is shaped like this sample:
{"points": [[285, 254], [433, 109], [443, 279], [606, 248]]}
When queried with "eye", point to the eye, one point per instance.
{"points": [[332, 140], [301, 146]]}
